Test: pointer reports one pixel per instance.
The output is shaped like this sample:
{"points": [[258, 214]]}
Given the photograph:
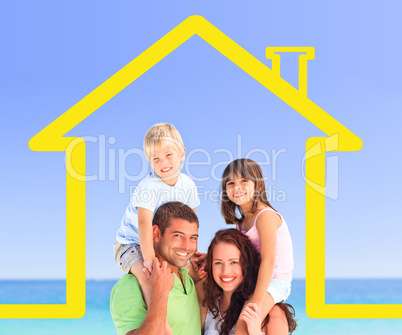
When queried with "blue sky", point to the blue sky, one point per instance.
{"points": [[56, 53]]}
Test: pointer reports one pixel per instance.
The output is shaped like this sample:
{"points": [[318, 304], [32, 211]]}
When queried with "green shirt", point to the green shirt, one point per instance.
{"points": [[128, 308]]}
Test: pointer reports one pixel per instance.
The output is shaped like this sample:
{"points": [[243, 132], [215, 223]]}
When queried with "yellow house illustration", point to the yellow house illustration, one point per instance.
{"points": [[338, 138]]}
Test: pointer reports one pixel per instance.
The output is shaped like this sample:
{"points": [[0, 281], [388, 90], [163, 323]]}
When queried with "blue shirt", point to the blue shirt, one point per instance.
{"points": [[150, 193]]}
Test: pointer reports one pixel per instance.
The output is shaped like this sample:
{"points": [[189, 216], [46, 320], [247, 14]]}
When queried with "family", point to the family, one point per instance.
{"points": [[238, 287]]}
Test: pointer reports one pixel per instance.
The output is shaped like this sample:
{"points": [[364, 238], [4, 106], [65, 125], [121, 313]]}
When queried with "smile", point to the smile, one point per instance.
{"points": [[239, 195], [166, 170], [182, 254], [228, 279]]}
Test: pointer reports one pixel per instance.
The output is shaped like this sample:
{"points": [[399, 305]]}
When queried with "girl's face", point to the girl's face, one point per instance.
{"points": [[240, 190], [226, 268]]}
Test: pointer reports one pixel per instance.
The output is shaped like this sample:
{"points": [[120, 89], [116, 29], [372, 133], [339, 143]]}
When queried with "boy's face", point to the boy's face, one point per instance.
{"points": [[166, 160]]}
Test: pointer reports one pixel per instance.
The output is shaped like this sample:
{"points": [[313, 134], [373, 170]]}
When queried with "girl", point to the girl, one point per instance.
{"points": [[231, 270], [245, 203]]}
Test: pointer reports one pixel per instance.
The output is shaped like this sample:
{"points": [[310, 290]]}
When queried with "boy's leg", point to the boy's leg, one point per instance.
{"points": [[137, 269], [126, 255], [129, 259], [267, 304]]}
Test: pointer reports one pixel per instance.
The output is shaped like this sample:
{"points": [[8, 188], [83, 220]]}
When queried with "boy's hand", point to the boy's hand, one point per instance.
{"points": [[147, 263]]}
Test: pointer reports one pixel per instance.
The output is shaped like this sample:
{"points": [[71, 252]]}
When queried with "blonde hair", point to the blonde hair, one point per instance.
{"points": [[162, 133]]}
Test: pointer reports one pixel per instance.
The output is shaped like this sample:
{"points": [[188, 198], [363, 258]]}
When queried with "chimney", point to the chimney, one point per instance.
{"points": [[309, 53]]}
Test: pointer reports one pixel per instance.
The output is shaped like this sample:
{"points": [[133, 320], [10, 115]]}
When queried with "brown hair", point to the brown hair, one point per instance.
{"points": [[247, 169], [250, 261], [173, 210]]}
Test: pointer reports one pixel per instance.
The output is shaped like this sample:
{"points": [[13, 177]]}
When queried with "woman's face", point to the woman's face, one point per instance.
{"points": [[226, 268]]}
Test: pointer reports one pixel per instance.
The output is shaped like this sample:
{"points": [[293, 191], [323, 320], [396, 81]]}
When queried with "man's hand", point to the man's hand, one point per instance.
{"points": [[160, 281]]}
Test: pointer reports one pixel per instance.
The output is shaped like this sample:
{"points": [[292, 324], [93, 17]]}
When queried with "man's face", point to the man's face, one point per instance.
{"points": [[178, 243]]}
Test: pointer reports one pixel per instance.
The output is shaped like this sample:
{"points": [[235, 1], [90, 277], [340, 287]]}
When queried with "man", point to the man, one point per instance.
{"points": [[174, 304]]}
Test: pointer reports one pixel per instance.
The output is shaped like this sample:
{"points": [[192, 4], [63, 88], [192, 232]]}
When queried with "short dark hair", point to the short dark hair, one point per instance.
{"points": [[173, 210]]}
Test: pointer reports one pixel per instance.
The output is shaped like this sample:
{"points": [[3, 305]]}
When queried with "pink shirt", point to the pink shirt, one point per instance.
{"points": [[283, 263]]}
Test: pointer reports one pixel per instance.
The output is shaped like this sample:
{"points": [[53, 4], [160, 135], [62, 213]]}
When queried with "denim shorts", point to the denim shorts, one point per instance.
{"points": [[279, 289], [126, 255]]}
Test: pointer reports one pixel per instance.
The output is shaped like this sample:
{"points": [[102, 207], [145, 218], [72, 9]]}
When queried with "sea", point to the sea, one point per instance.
{"points": [[97, 320]]}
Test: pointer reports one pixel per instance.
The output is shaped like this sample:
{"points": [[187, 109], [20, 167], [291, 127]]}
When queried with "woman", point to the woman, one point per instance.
{"points": [[231, 272]]}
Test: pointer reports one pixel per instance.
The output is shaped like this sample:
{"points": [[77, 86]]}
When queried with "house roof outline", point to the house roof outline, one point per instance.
{"points": [[51, 138], [194, 25]]}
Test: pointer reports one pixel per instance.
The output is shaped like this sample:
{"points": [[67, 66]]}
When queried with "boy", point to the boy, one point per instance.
{"points": [[165, 152]]}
